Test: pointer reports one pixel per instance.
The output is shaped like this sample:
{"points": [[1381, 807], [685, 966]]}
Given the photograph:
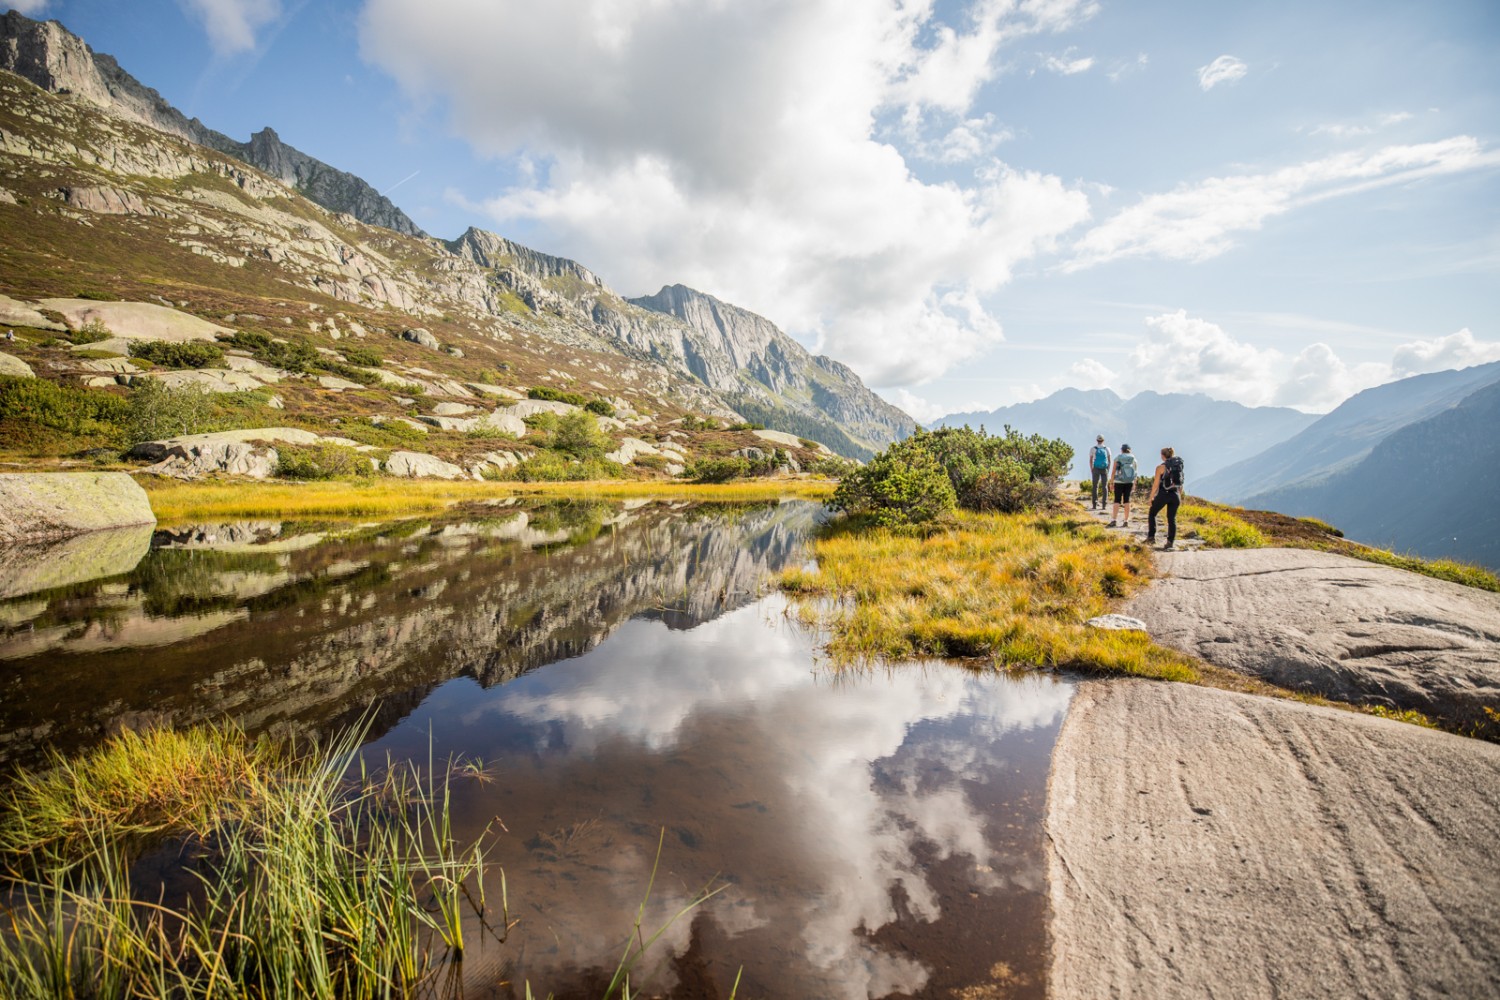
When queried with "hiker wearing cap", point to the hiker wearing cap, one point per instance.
{"points": [[1099, 466], [1167, 489], [1122, 478]]}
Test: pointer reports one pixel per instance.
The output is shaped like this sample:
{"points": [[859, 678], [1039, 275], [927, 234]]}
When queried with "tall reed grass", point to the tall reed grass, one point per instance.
{"points": [[1014, 588], [308, 875]]}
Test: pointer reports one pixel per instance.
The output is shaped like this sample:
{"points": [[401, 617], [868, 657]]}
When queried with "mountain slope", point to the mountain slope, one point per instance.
{"points": [[1209, 433], [1428, 487], [56, 60], [1343, 438]]}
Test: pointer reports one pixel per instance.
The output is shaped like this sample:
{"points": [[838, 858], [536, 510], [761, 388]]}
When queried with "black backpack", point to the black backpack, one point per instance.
{"points": [[1171, 477]]}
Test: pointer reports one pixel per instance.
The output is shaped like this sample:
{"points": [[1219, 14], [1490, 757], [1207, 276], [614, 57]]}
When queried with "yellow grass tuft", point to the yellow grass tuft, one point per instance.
{"points": [[1014, 588]]}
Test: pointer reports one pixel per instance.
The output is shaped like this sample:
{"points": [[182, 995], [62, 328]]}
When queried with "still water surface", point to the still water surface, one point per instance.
{"points": [[612, 678]]}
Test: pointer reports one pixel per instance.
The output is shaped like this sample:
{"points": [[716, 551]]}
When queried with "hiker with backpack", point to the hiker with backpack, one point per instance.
{"points": [[1122, 478], [1099, 465], [1167, 489]]}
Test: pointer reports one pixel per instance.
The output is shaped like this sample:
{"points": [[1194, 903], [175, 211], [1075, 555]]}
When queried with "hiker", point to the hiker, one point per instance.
{"points": [[1122, 478], [1099, 466], [1166, 491], [10, 335]]}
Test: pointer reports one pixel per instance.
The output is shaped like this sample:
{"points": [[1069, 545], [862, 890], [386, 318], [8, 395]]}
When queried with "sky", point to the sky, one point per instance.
{"points": [[972, 204]]}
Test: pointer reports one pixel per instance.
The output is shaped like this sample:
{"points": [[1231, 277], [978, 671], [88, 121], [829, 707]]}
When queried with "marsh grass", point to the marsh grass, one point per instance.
{"points": [[175, 502], [1014, 588], [308, 874]]}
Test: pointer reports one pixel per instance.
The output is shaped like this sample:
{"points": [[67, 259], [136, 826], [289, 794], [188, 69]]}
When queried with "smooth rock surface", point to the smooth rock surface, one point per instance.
{"points": [[1117, 623], [1204, 843], [136, 320], [415, 465], [15, 367], [1331, 625], [421, 337], [14, 312], [38, 505]]}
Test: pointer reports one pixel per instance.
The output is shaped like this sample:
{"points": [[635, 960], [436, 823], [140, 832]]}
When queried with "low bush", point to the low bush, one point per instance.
{"points": [[178, 354], [84, 412], [321, 461], [555, 467], [551, 395], [603, 407], [91, 332], [579, 435], [160, 411], [719, 470], [366, 357], [898, 486]]}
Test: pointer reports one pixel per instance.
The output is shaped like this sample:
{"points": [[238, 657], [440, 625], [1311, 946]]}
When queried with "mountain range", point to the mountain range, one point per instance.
{"points": [[121, 195], [1208, 433]]}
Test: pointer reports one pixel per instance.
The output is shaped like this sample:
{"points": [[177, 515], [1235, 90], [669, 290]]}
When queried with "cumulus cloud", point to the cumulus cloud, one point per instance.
{"points": [[232, 24], [1225, 69], [1090, 374], [1457, 350], [739, 148], [1183, 353], [1198, 221], [964, 141]]}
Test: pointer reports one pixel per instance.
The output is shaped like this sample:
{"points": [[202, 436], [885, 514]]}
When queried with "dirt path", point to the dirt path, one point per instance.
{"points": [[1211, 844]]}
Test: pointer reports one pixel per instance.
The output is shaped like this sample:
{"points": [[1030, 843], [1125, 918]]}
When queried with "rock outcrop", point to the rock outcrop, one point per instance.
{"points": [[135, 320], [60, 504], [1333, 626], [15, 367], [56, 60], [15, 313], [415, 465]]}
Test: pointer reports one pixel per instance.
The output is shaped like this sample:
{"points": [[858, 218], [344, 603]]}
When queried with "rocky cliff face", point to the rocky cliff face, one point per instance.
{"points": [[96, 165], [56, 60]]}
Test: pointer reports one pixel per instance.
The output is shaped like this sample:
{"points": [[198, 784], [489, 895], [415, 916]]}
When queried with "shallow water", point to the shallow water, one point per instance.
{"points": [[610, 680]]}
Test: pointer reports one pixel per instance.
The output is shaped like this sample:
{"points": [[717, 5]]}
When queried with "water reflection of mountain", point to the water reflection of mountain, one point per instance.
{"points": [[288, 628]]}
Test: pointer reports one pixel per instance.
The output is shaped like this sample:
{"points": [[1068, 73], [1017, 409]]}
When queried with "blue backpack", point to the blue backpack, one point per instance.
{"points": [[1101, 457], [1125, 464]]}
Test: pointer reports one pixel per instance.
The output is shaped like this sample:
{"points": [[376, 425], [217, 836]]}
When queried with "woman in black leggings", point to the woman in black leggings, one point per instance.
{"points": [[1166, 491]]}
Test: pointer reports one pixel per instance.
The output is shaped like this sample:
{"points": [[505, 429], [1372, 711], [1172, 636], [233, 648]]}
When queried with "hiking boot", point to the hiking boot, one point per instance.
{"points": [[1150, 539], [1113, 524], [1168, 547]]}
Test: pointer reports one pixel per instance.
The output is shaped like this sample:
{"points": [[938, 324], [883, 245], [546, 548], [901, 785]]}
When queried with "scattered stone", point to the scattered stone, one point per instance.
{"points": [[415, 465], [750, 454], [531, 407], [422, 337], [495, 390], [206, 379], [453, 351], [119, 366], [630, 449], [15, 367], [114, 345], [1117, 623], [451, 409], [37, 505], [255, 369], [337, 384]]}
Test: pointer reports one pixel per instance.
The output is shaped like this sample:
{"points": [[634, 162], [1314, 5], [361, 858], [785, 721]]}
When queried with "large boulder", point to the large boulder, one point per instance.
{"points": [[630, 449], [236, 458], [531, 407], [421, 337], [415, 465], [136, 320], [15, 367], [59, 504]]}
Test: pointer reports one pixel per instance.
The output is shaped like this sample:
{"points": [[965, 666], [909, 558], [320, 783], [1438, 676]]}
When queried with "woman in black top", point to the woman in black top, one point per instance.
{"points": [[1167, 488]]}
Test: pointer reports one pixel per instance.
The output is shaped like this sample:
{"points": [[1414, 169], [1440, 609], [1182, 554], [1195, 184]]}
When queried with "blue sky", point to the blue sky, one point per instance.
{"points": [[971, 203]]}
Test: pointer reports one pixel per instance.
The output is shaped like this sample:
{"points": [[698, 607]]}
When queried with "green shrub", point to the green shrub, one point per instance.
{"points": [[349, 372], [603, 407], [552, 467], [160, 411], [746, 426], [719, 470], [85, 412], [90, 333], [556, 395], [1019, 472], [248, 340], [365, 357], [389, 434], [579, 435], [320, 461], [833, 466], [175, 354], [901, 485]]}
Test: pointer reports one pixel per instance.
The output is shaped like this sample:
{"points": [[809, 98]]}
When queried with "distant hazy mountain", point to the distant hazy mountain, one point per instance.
{"points": [[1345, 437], [1209, 433], [1429, 487]]}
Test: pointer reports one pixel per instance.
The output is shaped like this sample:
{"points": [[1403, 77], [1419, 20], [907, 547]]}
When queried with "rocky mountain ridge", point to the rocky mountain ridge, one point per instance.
{"points": [[55, 59], [133, 210]]}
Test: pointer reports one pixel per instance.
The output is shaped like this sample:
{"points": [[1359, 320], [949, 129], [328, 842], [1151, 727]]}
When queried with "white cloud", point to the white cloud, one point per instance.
{"points": [[1090, 374], [738, 148], [1066, 65], [1346, 130], [964, 142], [1198, 221], [1457, 350], [1183, 353], [1225, 69], [1122, 70], [31, 8], [232, 24]]}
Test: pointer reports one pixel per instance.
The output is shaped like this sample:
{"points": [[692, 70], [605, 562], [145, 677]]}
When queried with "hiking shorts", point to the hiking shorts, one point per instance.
{"points": [[1122, 492]]}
